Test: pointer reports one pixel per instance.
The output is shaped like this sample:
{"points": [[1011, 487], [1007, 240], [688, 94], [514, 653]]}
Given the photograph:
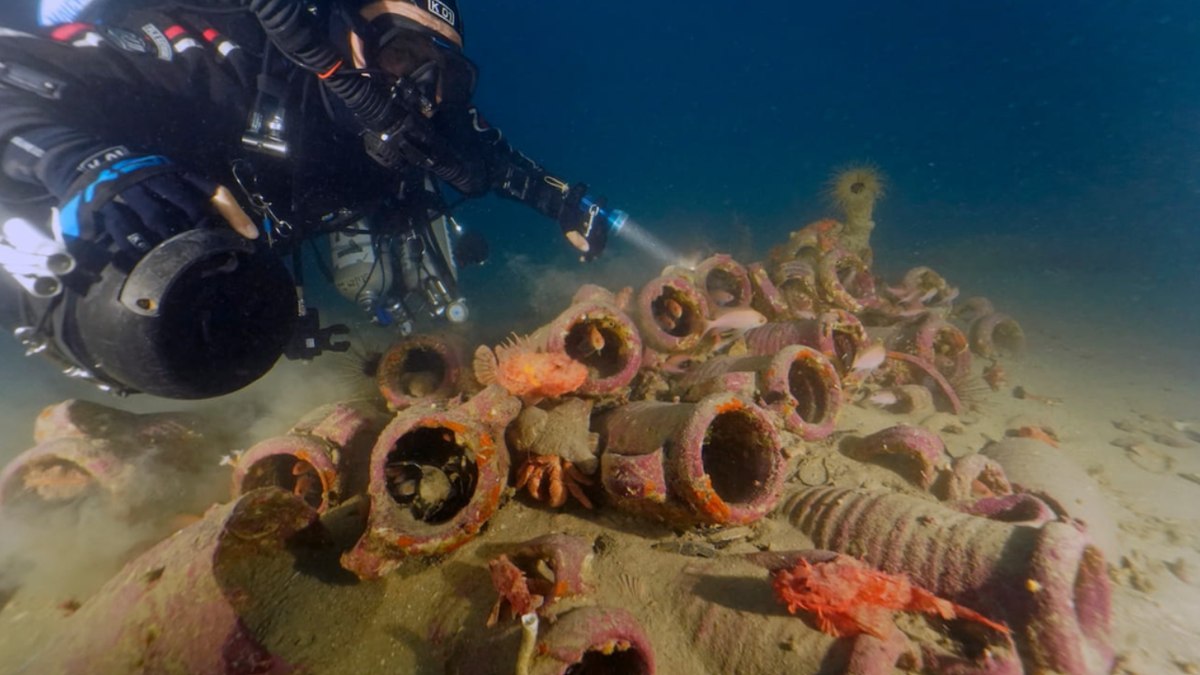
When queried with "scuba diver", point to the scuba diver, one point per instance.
{"points": [[181, 154]]}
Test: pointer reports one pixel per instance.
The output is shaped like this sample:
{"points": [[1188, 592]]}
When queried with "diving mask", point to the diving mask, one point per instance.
{"points": [[433, 63]]}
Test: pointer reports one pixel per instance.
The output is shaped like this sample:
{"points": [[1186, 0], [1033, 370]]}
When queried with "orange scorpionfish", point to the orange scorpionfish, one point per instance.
{"points": [[848, 597], [527, 372]]}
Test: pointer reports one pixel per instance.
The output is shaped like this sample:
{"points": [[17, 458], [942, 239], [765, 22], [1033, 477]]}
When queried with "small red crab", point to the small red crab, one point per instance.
{"points": [[512, 585], [549, 478]]}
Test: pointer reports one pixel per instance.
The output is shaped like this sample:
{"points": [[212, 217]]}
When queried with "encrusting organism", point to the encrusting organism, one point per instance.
{"points": [[855, 191]]}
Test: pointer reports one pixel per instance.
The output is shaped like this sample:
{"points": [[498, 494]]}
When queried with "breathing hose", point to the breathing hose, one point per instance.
{"points": [[295, 32], [394, 135]]}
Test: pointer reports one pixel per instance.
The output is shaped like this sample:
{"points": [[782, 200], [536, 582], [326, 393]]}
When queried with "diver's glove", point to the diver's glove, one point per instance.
{"points": [[139, 201], [107, 192], [584, 221]]}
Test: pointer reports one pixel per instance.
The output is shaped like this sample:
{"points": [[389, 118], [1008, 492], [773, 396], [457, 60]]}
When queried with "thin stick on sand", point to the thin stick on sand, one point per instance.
{"points": [[529, 631]]}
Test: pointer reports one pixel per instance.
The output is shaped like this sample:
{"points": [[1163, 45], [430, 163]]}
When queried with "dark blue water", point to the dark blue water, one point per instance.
{"points": [[1019, 117]]}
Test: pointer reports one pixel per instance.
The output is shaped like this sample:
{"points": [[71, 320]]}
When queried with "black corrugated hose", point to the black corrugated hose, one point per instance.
{"points": [[292, 29], [295, 32]]}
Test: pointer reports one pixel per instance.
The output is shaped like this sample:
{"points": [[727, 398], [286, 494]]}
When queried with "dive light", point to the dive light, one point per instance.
{"points": [[616, 218]]}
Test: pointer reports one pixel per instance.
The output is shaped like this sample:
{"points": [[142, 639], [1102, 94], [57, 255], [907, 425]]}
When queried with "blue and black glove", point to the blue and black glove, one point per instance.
{"points": [[108, 194], [138, 201]]}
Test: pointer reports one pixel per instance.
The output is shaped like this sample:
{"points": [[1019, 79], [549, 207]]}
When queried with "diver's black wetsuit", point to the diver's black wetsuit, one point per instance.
{"points": [[147, 111], [181, 84]]}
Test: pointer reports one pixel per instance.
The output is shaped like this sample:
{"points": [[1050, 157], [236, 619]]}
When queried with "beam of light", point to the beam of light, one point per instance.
{"points": [[641, 239]]}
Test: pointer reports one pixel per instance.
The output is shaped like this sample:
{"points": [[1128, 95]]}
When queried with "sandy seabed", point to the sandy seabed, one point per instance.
{"points": [[1127, 391]]}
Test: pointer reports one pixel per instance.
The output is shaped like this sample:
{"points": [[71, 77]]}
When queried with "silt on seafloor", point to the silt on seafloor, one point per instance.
{"points": [[85, 449]]}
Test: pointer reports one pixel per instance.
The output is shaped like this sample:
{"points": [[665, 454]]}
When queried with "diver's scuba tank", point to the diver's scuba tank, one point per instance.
{"points": [[364, 272], [360, 274], [399, 265], [395, 278]]}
